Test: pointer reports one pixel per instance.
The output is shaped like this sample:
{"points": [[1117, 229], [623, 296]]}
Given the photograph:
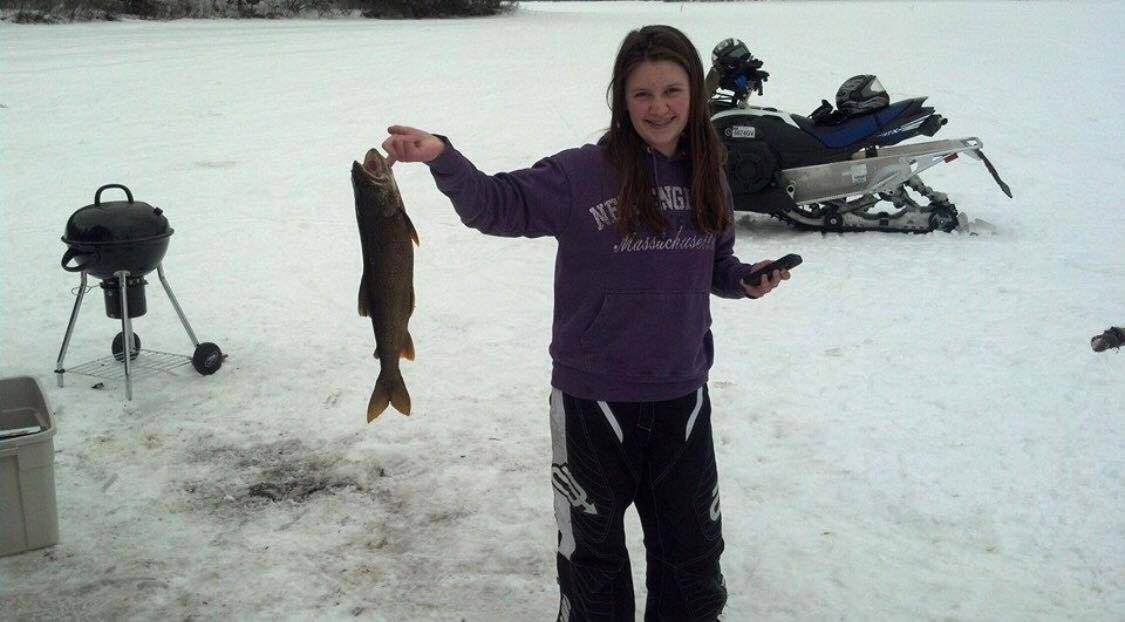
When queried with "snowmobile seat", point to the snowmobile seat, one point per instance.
{"points": [[856, 129]]}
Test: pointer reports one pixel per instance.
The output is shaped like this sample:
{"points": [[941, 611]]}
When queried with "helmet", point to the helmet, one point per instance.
{"points": [[736, 67], [861, 95], [728, 55]]}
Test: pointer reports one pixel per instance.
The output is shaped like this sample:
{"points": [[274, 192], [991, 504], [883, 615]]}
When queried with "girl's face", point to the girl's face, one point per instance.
{"points": [[658, 97]]}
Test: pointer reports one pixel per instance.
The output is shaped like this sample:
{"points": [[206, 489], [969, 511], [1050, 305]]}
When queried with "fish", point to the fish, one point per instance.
{"points": [[386, 289]]}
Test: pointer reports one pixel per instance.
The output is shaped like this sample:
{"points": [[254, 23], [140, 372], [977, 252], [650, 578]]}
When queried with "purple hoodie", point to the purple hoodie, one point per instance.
{"points": [[632, 316]]}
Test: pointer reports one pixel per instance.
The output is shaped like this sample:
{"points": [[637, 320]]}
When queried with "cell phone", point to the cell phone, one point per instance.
{"points": [[787, 262]]}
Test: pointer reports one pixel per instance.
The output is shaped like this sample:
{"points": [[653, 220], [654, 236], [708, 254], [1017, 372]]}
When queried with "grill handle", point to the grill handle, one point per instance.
{"points": [[98, 194], [84, 258]]}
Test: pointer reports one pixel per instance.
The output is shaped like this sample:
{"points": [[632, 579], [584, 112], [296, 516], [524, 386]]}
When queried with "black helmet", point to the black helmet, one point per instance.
{"points": [[861, 95], [737, 68], [728, 55]]}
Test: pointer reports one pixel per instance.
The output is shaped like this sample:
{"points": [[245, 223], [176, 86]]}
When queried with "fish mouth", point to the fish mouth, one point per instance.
{"points": [[374, 169], [375, 164]]}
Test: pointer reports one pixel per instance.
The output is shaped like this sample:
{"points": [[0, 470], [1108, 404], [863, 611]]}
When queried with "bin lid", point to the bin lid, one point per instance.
{"points": [[19, 422], [24, 415]]}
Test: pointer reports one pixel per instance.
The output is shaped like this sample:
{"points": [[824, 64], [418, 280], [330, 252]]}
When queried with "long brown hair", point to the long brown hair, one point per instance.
{"points": [[627, 151]]}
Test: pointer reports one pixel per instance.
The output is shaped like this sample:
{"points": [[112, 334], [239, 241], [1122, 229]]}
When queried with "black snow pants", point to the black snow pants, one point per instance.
{"points": [[659, 455]]}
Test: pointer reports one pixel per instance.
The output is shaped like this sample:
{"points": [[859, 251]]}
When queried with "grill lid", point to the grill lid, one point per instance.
{"points": [[116, 222]]}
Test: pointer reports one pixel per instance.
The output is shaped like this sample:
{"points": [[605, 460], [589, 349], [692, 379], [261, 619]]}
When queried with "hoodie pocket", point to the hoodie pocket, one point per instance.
{"points": [[649, 335]]}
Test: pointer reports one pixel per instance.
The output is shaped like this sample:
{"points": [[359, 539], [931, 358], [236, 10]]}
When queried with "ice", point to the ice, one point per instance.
{"points": [[912, 428]]}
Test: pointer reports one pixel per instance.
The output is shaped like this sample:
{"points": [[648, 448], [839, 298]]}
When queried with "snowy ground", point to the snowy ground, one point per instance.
{"points": [[913, 428]]}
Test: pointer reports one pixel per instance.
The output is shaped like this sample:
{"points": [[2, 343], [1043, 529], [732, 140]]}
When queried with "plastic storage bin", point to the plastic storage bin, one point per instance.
{"points": [[28, 516]]}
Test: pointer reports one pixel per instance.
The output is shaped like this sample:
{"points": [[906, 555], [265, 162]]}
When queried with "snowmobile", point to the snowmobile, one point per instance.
{"points": [[834, 170]]}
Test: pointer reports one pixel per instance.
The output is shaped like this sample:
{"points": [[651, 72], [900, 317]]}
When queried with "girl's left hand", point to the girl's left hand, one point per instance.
{"points": [[408, 144], [765, 285]]}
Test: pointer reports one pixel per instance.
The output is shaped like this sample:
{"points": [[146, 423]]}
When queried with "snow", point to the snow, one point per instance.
{"points": [[912, 428]]}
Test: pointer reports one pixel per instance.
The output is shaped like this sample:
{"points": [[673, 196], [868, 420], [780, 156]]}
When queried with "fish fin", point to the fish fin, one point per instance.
{"points": [[363, 310], [413, 231], [408, 348], [388, 390], [380, 398], [400, 398]]}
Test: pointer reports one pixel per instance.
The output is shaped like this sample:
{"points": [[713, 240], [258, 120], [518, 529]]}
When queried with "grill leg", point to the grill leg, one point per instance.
{"points": [[126, 329], [59, 369], [175, 304]]}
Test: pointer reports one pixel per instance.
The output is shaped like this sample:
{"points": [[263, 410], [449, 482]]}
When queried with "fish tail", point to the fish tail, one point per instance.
{"points": [[380, 398], [389, 390], [400, 397]]}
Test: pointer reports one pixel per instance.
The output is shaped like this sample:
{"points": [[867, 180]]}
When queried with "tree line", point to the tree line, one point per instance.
{"points": [[48, 11]]}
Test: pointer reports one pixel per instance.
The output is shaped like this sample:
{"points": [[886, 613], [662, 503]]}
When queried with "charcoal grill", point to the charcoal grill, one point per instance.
{"points": [[120, 242]]}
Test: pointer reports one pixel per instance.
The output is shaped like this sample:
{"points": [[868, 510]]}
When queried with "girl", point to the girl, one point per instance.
{"points": [[644, 223]]}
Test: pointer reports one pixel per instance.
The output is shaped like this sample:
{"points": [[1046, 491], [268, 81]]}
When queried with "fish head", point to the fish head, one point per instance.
{"points": [[375, 186]]}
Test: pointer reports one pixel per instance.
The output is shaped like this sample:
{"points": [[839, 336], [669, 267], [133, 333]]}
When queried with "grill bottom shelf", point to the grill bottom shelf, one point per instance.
{"points": [[148, 363]]}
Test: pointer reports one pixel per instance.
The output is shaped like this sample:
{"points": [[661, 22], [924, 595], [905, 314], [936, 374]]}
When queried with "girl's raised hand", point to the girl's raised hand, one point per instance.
{"points": [[408, 144]]}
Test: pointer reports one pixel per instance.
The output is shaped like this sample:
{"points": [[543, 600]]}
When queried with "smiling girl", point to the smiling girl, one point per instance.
{"points": [[645, 229]]}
